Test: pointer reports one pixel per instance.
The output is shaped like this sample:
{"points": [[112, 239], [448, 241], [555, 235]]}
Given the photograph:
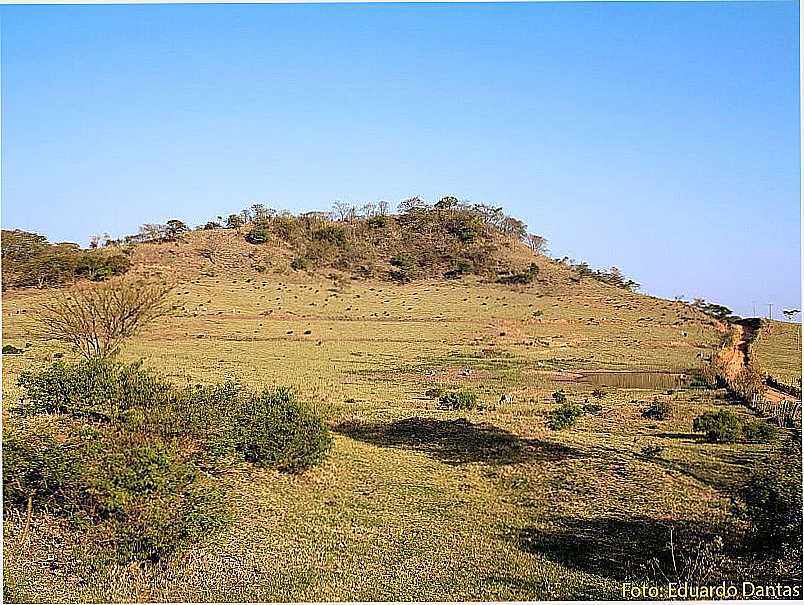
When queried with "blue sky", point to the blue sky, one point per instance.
{"points": [[659, 137]]}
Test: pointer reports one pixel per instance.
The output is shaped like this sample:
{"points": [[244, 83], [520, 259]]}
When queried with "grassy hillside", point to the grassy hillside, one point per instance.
{"points": [[416, 502], [777, 348]]}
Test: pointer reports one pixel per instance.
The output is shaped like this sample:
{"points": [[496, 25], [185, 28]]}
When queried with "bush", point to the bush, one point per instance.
{"points": [[96, 388], [434, 392], [30, 260], [659, 410], [97, 267], [525, 277], [285, 226], [748, 382], [466, 227], [259, 234], [405, 268], [724, 426], [771, 503], [592, 408], [11, 350], [124, 457], [274, 429], [790, 389], [301, 263], [458, 400], [136, 496], [599, 393], [36, 467], [559, 396], [463, 266], [564, 416], [96, 320], [760, 430], [332, 234]]}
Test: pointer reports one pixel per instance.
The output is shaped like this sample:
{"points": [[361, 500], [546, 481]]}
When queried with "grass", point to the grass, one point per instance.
{"points": [[778, 350], [417, 503]]}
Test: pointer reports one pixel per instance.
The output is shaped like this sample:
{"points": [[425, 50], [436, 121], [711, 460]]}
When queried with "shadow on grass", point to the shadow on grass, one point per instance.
{"points": [[615, 548], [691, 437], [456, 441]]}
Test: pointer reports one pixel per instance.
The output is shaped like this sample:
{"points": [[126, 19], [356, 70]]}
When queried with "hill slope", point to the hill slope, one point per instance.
{"points": [[416, 502]]}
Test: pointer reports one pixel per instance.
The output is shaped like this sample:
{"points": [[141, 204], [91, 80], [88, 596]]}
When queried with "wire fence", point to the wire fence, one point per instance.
{"points": [[786, 412]]}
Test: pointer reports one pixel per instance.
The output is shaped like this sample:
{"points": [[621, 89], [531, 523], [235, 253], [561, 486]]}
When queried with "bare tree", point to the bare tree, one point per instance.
{"points": [[343, 211], [368, 210], [412, 204], [153, 232], [537, 243], [97, 319], [259, 212]]}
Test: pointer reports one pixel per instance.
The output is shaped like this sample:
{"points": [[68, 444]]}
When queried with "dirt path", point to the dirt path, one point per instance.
{"points": [[734, 357]]}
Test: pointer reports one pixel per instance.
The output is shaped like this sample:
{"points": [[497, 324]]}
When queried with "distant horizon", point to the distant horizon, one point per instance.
{"points": [[661, 138]]}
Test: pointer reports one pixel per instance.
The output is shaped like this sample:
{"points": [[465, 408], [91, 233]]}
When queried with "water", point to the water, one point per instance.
{"points": [[639, 380]]}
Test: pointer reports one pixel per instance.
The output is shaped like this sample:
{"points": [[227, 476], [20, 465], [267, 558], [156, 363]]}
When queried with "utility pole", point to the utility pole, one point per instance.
{"points": [[770, 310], [754, 306]]}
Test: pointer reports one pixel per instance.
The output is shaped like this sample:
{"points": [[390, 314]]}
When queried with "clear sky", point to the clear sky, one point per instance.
{"points": [[662, 138]]}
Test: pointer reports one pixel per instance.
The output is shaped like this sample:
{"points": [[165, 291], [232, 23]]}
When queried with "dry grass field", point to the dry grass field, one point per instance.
{"points": [[413, 502], [778, 350]]}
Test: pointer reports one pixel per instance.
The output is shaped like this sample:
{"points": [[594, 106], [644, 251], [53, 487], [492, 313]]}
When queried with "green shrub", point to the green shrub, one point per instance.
{"points": [[659, 410], [434, 392], [559, 396], [458, 400], [332, 234], [462, 266], [92, 387], [406, 268], [564, 416], [136, 496], [259, 234], [466, 227], [126, 455], [721, 426], [724, 426], [275, 429], [98, 267], [301, 263], [30, 260], [525, 277], [771, 503], [11, 350], [35, 466], [760, 430], [592, 408]]}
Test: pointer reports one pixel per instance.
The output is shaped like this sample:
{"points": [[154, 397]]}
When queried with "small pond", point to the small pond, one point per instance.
{"points": [[639, 380]]}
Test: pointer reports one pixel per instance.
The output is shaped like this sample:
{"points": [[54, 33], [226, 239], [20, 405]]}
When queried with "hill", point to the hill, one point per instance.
{"points": [[416, 501], [448, 239]]}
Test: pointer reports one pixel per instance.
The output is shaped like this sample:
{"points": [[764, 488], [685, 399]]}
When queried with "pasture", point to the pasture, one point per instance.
{"points": [[778, 350], [415, 502]]}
